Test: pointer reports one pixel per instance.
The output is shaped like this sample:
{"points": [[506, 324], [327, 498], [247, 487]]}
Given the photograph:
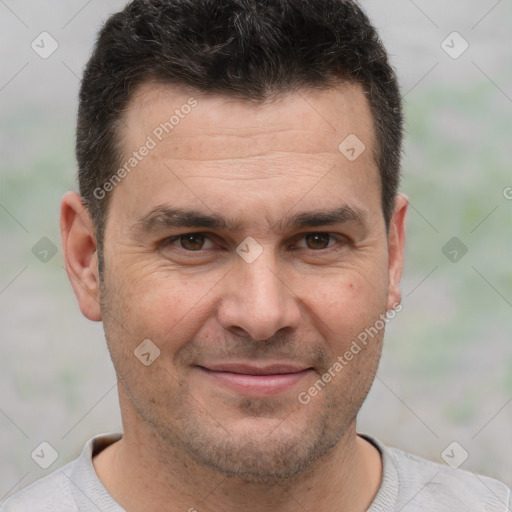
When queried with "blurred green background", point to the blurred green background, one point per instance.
{"points": [[446, 372]]}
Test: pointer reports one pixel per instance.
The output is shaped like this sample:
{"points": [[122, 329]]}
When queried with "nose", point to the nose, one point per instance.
{"points": [[258, 299]]}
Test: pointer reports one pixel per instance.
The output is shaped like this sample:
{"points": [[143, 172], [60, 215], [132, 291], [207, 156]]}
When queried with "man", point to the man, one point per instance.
{"points": [[240, 234]]}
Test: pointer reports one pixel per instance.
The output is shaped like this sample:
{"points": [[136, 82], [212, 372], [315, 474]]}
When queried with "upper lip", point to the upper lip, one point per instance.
{"points": [[249, 369]]}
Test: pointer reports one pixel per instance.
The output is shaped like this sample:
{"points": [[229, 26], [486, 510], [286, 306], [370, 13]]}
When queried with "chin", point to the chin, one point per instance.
{"points": [[261, 450]]}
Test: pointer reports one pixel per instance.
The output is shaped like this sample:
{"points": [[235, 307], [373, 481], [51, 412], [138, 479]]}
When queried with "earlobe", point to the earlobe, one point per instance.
{"points": [[396, 246], [80, 254]]}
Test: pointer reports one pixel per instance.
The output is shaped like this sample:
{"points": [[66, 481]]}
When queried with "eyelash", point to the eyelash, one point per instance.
{"points": [[339, 239]]}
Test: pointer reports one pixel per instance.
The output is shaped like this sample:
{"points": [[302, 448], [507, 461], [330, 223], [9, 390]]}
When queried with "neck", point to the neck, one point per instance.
{"points": [[139, 469]]}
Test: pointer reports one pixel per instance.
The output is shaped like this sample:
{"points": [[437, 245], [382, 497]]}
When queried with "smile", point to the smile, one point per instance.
{"points": [[255, 381]]}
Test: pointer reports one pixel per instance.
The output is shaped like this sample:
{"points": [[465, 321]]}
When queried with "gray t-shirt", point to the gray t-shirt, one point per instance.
{"points": [[409, 484]]}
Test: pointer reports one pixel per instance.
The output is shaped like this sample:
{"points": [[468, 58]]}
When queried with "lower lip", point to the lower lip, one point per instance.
{"points": [[258, 385]]}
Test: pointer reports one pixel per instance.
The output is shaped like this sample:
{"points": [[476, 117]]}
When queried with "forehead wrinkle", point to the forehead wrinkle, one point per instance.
{"points": [[254, 156]]}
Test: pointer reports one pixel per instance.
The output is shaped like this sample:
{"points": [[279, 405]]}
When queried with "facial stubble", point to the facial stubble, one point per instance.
{"points": [[269, 447]]}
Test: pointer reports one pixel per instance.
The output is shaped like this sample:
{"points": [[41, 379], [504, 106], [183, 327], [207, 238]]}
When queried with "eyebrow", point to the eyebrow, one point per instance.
{"points": [[162, 217]]}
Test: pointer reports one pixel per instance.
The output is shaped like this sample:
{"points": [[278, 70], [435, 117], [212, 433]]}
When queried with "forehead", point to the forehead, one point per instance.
{"points": [[310, 120], [216, 151]]}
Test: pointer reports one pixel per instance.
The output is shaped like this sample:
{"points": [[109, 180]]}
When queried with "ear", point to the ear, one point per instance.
{"points": [[396, 245], [80, 255]]}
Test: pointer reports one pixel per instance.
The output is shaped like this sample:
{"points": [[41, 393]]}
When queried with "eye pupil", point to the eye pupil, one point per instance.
{"points": [[192, 242], [319, 240]]}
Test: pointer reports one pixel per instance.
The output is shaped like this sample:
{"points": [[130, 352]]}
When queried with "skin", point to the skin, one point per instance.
{"points": [[190, 439]]}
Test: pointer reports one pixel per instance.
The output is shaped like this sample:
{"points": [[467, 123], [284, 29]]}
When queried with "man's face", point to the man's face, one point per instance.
{"points": [[245, 326]]}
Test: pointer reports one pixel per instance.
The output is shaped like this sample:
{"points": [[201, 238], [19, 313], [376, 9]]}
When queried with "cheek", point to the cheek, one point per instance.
{"points": [[166, 308], [349, 299], [163, 305]]}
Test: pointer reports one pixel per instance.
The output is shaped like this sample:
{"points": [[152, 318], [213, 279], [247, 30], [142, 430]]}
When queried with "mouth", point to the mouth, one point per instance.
{"points": [[256, 381]]}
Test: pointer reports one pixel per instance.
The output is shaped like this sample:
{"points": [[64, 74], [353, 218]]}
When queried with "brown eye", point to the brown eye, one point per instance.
{"points": [[317, 240], [190, 245], [192, 242]]}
